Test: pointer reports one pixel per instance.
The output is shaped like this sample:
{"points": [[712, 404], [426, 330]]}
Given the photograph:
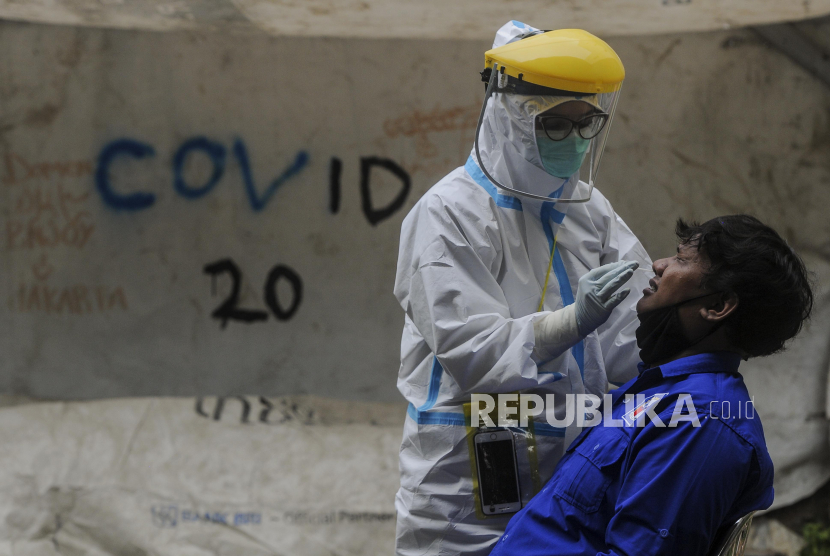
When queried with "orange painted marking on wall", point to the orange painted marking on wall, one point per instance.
{"points": [[419, 125], [46, 218], [19, 170], [436, 120], [77, 299]]}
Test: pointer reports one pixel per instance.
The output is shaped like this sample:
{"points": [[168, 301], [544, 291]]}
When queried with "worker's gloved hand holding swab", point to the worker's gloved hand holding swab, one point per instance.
{"points": [[596, 297]]}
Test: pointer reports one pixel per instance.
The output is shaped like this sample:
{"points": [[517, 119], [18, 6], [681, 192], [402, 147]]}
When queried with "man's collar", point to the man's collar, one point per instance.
{"points": [[714, 362]]}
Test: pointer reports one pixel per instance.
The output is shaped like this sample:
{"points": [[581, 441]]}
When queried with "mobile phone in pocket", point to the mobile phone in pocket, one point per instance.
{"points": [[498, 477]]}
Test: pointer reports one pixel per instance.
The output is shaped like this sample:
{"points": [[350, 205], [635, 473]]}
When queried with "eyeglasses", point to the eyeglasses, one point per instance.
{"points": [[559, 127]]}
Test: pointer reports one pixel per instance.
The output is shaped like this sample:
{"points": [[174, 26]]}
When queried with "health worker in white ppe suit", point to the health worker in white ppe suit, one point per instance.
{"points": [[511, 273]]}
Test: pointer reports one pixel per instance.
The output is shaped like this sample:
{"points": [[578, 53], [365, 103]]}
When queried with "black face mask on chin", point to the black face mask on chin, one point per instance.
{"points": [[660, 334]]}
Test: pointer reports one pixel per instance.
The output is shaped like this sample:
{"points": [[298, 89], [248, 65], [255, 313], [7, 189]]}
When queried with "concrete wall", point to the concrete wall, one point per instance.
{"points": [[426, 19], [146, 177], [104, 256]]}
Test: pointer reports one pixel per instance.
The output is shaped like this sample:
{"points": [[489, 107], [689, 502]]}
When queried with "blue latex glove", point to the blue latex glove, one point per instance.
{"points": [[596, 297]]}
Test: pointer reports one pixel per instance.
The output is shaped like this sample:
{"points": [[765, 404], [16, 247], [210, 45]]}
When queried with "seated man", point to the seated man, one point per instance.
{"points": [[734, 290]]}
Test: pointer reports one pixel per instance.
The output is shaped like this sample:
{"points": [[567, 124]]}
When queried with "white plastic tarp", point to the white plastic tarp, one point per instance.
{"points": [[164, 476], [789, 391]]}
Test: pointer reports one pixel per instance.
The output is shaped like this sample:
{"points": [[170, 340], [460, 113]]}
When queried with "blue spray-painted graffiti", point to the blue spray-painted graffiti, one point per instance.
{"points": [[119, 201], [215, 151], [258, 202]]}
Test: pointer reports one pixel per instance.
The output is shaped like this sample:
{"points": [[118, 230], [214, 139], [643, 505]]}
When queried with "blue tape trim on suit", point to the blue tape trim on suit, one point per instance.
{"points": [[561, 273], [504, 201], [435, 418], [434, 385], [421, 415], [457, 419], [578, 352], [547, 211]]}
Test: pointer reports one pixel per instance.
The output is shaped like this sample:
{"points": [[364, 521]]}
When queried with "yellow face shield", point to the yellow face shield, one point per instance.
{"points": [[547, 112]]}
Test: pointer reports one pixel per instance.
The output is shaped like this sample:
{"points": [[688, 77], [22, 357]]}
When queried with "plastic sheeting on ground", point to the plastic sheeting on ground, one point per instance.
{"points": [[164, 476], [789, 390]]}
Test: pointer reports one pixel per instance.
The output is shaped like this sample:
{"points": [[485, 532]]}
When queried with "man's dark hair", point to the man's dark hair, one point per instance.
{"points": [[751, 260]]}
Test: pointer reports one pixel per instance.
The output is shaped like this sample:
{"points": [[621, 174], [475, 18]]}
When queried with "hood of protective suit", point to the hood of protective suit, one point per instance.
{"points": [[509, 149]]}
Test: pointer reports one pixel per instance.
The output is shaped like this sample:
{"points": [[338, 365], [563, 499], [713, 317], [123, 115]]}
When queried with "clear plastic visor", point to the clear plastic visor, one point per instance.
{"points": [[523, 141]]}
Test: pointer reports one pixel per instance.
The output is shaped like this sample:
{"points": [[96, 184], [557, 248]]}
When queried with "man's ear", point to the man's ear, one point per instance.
{"points": [[721, 308]]}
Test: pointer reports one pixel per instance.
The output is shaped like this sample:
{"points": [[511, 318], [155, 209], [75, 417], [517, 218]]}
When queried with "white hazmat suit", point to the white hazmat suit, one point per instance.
{"points": [[472, 264]]}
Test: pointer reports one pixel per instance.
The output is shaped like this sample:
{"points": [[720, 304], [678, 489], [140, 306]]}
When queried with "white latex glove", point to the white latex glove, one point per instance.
{"points": [[555, 333], [596, 297]]}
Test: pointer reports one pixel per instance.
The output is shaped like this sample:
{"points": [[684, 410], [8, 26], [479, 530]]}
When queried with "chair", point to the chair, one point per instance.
{"points": [[732, 541]]}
